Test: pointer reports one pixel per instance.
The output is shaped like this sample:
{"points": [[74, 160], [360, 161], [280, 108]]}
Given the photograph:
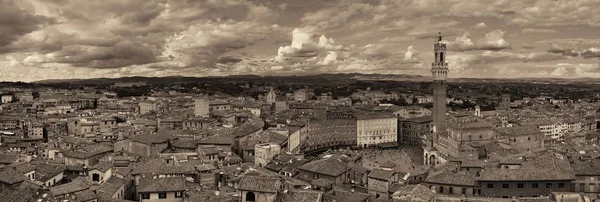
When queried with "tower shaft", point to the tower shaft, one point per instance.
{"points": [[439, 71]]}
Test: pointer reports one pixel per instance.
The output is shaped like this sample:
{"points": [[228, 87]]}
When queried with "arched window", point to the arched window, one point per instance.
{"points": [[250, 196]]}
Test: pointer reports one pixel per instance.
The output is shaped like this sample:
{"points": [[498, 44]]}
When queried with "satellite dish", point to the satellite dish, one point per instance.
{"points": [[217, 193]]}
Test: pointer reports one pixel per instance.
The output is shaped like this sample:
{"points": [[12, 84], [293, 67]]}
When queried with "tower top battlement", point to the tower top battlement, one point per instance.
{"points": [[439, 67]]}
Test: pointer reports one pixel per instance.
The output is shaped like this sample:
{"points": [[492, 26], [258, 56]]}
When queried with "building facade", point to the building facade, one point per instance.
{"points": [[201, 106], [265, 152], [373, 129]]}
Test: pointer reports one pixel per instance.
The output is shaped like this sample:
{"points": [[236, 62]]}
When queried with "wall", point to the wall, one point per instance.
{"points": [[154, 198], [527, 191], [591, 184], [376, 131], [264, 153], [155, 149], [294, 141], [260, 197], [140, 149], [54, 180], [377, 186], [104, 176], [201, 107], [70, 161], [309, 176], [457, 190]]}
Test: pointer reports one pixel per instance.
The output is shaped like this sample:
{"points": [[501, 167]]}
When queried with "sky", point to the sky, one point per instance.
{"points": [[67, 39]]}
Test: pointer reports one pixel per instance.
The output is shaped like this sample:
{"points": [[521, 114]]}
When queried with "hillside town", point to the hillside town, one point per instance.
{"points": [[90, 145]]}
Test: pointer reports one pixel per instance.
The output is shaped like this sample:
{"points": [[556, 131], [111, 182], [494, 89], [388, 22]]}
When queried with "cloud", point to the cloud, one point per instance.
{"points": [[480, 25], [493, 41], [329, 44], [305, 45], [530, 30], [329, 59], [528, 47], [556, 49], [591, 53], [203, 44], [165, 37], [17, 22], [375, 52], [411, 54], [228, 60], [560, 71]]}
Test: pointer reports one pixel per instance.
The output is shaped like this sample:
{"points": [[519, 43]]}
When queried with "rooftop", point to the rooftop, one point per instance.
{"points": [[71, 187], [330, 166], [89, 151], [302, 195], [151, 185], [260, 184], [518, 130], [11, 176]]}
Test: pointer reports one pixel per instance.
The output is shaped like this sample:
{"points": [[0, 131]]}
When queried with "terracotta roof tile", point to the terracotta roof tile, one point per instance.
{"points": [[260, 184]]}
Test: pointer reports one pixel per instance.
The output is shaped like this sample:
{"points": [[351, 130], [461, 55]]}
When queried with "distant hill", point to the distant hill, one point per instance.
{"points": [[243, 78], [341, 78]]}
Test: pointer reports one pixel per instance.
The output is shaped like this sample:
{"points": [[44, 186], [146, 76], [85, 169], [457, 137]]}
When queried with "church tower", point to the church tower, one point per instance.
{"points": [[271, 97], [439, 70]]}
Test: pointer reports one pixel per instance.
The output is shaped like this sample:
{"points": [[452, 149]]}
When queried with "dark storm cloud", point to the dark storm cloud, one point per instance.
{"points": [[529, 47], [144, 15], [563, 51], [508, 13], [228, 60], [122, 54], [590, 53], [15, 22]]}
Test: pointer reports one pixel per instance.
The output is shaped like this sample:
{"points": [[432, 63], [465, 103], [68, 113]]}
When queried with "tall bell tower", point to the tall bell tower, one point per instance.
{"points": [[439, 70]]}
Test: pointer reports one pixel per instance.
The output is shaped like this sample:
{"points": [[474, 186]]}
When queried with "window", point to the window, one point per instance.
{"points": [[442, 189], [145, 196], [548, 185], [505, 186], [178, 194], [534, 185], [490, 186], [451, 190], [561, 185], [162, 195], [520, 186]]}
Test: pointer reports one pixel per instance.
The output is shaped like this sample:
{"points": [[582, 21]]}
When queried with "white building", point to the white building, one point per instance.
{"points": [[264, 153], [6, 98], [294, 140], [271, 97], [201, 106], [147, 107], [300, 95], [373, 129]]}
